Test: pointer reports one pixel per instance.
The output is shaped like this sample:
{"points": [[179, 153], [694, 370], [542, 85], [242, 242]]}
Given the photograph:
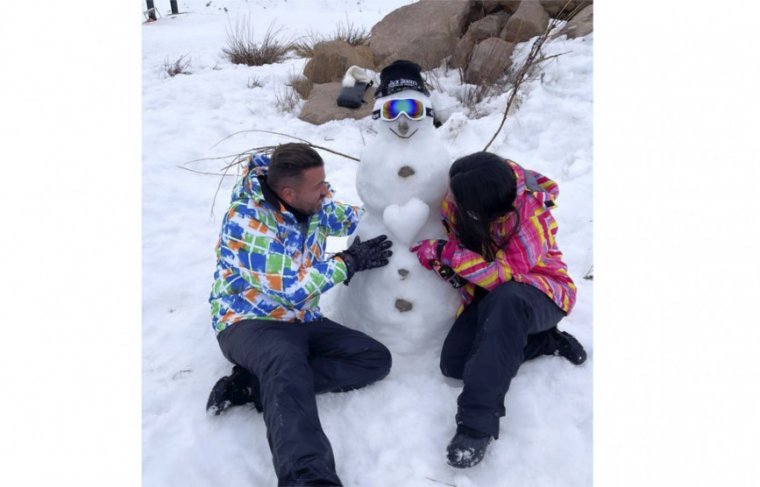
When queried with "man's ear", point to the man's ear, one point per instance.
{"points": [[288, 194]]}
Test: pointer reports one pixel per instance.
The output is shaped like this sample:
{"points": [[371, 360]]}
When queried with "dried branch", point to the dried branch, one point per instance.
{"points": [[314, 146], [530, 62], [204, 172], [438, 481], [245, 155], [218, 187], [590, 274]]}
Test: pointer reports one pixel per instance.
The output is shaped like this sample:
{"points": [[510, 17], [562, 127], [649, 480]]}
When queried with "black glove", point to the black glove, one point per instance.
{"points": [[361, 256]]}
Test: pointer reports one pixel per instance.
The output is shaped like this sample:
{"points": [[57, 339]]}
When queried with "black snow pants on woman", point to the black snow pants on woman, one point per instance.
{"points": [[487, 344]]}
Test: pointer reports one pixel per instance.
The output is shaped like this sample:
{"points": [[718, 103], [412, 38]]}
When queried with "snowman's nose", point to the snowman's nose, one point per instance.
{"points": [[405, 171], [403, 127]]}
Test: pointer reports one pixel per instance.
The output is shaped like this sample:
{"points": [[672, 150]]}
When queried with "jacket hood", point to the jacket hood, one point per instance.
{"points": [[542, 188], [249, 185]]}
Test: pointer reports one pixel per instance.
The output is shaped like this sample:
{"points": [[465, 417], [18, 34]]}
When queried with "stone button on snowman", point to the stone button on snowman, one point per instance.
{"points": [[402, 178]]}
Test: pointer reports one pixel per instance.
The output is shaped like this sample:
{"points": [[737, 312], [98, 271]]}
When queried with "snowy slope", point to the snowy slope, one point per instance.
{"points": [[394, 432]]}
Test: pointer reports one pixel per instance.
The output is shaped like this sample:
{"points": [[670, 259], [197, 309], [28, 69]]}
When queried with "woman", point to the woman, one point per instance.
{"points": [[515, 288]]}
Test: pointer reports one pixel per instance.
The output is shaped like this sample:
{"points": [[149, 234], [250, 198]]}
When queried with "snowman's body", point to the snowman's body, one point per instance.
{"points": [[402, 178]]}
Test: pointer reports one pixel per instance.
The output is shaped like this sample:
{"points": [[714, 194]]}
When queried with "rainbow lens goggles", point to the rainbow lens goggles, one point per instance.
{"points": [[411, 108]]}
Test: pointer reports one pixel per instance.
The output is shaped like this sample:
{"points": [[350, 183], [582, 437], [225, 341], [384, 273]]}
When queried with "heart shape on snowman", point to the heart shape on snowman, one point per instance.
{"points": [[405, 221]]}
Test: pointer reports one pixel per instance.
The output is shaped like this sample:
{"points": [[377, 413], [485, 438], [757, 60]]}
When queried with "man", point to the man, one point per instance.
{"points": [[271, 270]]}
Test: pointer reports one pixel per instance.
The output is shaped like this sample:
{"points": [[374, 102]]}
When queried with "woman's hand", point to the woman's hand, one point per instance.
{"points": [[427, 252], [432, 253]]}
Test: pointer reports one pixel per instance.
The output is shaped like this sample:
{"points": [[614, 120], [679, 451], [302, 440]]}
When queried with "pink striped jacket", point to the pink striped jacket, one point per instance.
{"points": [[531, 256]]}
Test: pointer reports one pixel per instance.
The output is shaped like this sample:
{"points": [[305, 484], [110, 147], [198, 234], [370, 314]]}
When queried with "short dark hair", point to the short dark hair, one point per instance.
{"points": [[289, 161]]}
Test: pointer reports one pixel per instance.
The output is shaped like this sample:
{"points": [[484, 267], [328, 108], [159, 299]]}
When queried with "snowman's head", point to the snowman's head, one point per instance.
{"points": [[403, 114], [402, 102]]}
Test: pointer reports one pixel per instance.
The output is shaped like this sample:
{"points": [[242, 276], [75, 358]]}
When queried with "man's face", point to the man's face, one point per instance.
{"points": [[307, 194]]}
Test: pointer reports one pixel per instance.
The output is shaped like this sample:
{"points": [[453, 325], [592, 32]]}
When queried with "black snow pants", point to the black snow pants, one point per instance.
{"points": [[487, 344], [293, 362]]}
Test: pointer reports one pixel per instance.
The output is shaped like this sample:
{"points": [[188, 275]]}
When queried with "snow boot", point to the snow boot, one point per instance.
{"points": [[467, 448], [355, 83], [567, 346], [240, 387]]}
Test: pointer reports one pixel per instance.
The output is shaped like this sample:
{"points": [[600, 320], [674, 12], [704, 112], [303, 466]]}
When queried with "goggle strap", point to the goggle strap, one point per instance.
{"points": [[428, 112]]}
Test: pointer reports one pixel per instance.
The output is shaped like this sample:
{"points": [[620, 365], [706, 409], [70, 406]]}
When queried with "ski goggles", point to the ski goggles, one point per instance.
{"points": [[411, 108]]}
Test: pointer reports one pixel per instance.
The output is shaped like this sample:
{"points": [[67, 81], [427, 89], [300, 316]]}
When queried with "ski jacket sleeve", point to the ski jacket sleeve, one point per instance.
{"points": [[341, 219], [523, 253], [264, 265]]}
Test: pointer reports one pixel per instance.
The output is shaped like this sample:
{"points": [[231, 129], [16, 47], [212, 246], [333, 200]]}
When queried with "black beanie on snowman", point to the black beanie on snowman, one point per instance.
{"points": [[400, 75]]}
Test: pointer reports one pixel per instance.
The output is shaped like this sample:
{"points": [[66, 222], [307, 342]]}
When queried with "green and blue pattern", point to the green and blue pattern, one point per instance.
{"points": [[268, 265]]}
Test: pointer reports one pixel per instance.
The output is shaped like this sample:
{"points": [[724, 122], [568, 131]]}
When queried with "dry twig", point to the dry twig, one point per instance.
{"points": [[438, 481], [530, 62], [314, 146], [244, 156]]}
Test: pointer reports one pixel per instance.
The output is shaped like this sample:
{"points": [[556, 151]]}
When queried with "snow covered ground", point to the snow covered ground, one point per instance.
{"points": [[392, 433]]}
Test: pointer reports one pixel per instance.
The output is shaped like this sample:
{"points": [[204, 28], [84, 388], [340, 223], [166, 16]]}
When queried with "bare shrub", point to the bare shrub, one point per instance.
{"points": [[433, 78], [304, 46], [348, 32], [300, 84], [471, 95], [178, 66], [242, 49], [255, 82], [286, 100]]}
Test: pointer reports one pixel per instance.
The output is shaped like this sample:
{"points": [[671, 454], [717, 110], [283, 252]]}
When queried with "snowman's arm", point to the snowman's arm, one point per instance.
{"points": [[261, 260], [341, 219]]}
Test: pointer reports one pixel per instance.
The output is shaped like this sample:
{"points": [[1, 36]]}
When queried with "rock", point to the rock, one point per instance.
{"points": [[424, 32], [462, 51], [580, 25], [302, 85], [321, 106], [403, 305], [487, 6], [490, 60], [489, 26], [528, 21], [491, 6], [511, 6], [555, 7], [331, 60]]}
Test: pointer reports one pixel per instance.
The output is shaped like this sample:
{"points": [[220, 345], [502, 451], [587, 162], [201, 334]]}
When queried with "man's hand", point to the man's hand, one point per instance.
{"points": [[361, 256]]}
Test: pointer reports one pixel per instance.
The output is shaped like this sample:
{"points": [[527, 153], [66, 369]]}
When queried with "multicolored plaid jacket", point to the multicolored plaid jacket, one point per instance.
{"points": [[269, 266], [531, 256]]}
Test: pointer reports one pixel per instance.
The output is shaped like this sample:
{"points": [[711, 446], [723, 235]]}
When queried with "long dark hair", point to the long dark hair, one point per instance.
{"points": [[484, 188]]}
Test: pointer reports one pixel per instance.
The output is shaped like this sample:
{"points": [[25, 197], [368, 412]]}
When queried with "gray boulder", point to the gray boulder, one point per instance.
{"points": [[581, 24], [489, 26], [424, 32], [490, 60], [462, 51], [555, 7], [479, 30], [332, 59], [321, 106], [528, 21], [490, 6]]}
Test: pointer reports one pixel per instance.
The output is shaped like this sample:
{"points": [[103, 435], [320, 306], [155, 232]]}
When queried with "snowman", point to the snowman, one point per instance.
{"points": [[401, 180]]}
